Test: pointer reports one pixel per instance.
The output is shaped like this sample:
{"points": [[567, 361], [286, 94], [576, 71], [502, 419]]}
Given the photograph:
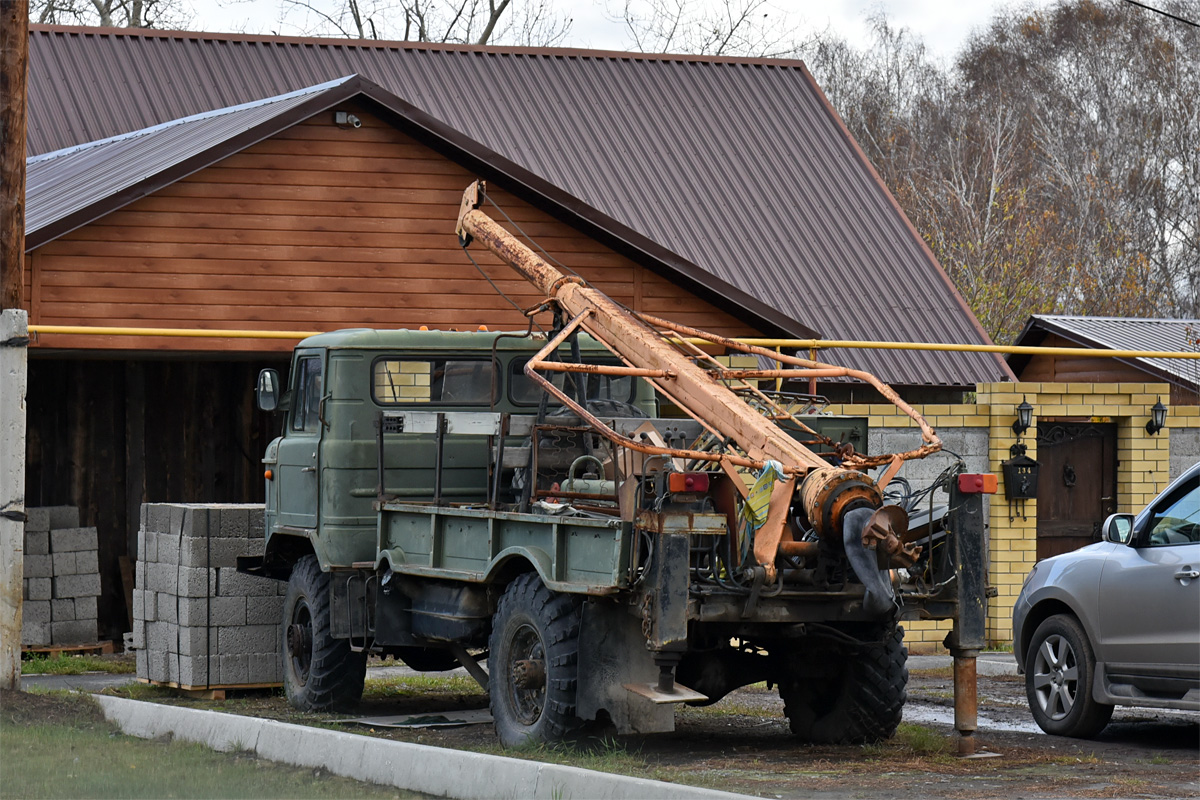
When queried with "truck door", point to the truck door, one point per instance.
{"points": [[299, 451]]}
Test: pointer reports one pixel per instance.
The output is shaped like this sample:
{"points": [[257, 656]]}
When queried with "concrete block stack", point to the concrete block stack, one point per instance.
{"points": [[198, 622], [62, 579]]}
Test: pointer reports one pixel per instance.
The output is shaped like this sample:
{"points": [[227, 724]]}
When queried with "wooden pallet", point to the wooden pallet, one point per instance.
{"points": [[208, 692], [55, 650]]}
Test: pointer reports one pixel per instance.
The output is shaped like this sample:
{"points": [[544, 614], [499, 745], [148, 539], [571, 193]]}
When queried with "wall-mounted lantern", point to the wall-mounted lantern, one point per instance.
{"points": [[1024, 417], [1158, 418]]}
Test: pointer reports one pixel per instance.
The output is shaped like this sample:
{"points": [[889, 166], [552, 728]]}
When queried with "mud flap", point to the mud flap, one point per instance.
{"points": [[612, 652], [879, 598]]}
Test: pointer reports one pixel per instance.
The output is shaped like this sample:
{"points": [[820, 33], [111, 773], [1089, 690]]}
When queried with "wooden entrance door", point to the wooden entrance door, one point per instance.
{"points": [[1077, 484]]}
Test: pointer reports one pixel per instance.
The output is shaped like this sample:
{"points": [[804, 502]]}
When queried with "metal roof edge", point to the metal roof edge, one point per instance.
{"points": [[378, 44], [216, 112], [1058, 317], [336, 92]]}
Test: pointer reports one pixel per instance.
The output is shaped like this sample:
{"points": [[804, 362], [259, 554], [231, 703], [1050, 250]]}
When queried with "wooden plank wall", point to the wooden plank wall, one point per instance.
{"points": [[317, 228], [107, 435]]}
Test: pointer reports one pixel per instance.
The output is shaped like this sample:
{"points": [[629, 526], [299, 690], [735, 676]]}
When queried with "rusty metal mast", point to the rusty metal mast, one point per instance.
{"points": [[655, 349]]}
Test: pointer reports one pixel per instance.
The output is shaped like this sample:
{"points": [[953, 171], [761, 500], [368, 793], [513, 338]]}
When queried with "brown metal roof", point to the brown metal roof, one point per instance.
{"points": [[1123, 333], [734, 177]]}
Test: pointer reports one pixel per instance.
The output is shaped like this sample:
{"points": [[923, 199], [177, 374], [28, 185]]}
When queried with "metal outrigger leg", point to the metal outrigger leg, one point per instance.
{"points": [[969, 634]]}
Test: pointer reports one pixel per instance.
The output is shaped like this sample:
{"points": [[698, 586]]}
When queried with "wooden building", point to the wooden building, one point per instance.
{"points": [[1112, 333], [332, 205]]}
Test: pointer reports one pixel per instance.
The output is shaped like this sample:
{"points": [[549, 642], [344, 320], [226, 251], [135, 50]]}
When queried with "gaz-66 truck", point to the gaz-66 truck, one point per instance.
{"points": [[526, 502]]}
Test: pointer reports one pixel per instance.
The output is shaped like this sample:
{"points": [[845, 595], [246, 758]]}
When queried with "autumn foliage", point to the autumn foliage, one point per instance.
{"points": [[1054, 168]]}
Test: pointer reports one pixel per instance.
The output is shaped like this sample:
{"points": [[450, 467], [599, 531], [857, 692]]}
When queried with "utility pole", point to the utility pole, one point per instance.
{"points": [[14, 60], [14, 338]]}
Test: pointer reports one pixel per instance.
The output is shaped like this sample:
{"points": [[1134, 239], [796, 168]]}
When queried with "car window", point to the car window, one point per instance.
{"points": [[409, 381], [1176, 518], [306, 414]]}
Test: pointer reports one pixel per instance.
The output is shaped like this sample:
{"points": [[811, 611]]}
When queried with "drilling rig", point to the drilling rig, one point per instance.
{"points": [[525, 507]]}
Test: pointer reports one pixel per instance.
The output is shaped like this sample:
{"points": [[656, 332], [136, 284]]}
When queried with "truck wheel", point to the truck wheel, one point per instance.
{"points": [[319, 671], [533, 663], [862, 700], [1058, 680]]}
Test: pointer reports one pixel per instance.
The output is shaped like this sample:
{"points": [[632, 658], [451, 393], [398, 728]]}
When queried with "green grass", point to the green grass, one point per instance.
{"points": [[420, 685], [64, 664], [81, 757], [913, 740]]}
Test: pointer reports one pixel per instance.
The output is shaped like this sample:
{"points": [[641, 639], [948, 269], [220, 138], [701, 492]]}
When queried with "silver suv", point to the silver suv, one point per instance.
{"points": [[1116, 622]]}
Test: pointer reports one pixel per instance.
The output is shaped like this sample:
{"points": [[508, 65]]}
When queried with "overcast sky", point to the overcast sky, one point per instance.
{"points": [[943, 24]]}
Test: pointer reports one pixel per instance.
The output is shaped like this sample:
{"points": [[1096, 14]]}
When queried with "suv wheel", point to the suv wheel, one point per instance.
{"points": [[1059, 669]]}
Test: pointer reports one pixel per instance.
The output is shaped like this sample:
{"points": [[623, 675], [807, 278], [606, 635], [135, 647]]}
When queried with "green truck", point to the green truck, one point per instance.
{"points": [[429, 502]]}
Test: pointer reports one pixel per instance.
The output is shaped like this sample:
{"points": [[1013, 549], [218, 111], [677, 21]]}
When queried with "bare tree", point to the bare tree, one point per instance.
{"points": [[526, 22], [111, 13], [1107, 95], [1056, 168], [736, 28]]}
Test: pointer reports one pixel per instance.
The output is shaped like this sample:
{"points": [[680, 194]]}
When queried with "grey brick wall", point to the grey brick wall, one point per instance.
{"points": [[970, 443], [62, 578], [197, 621], [1185, 449]]}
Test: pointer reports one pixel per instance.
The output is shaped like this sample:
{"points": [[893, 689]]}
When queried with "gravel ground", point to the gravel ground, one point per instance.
{"points": [[743, 744]]}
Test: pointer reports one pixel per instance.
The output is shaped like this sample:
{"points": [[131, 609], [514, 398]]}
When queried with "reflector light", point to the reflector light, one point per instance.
{"points": [[977, 483], [270, 474], [687, 482]]}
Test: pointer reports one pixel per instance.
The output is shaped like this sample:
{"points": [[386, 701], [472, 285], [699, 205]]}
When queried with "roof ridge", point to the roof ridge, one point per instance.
{"points": [[389, 44], [216, 112]]}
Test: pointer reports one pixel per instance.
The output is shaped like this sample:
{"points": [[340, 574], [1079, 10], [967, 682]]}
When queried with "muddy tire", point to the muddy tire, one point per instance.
{"points": [[533, 663], [319, 671], [1059, 669], [859, 698]]}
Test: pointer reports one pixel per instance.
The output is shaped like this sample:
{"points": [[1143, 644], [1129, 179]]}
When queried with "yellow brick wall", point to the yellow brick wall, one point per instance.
{"points": [[1142, 469]]}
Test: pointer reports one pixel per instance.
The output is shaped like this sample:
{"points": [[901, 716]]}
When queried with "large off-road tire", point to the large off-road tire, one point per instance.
{"points": [[319, 671], [860, 695], [533, 663], [1059, 670]]}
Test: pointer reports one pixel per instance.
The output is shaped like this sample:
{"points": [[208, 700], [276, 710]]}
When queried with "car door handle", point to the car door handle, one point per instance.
{"points": [[308, 469], [1187, 574]]}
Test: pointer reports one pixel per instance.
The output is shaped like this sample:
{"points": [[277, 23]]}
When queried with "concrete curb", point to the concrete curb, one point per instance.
{"points": [[420, 768]]}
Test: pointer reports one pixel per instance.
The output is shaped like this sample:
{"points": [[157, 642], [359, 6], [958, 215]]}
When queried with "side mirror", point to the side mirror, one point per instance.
{"points": [[1118, 528], [267, 391]]}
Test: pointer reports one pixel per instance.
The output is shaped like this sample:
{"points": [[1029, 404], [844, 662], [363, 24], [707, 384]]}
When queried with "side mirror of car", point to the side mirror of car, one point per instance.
{"points": [[266, 393], [1118, 528]]}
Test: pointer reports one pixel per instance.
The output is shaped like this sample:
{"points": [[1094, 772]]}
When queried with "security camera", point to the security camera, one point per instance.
{"points": [[346, 120]]}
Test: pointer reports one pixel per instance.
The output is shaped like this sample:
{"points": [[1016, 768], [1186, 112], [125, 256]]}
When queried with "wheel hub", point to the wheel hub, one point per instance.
{"points": [[529, 674], [299, 640], [1054, 673]]}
